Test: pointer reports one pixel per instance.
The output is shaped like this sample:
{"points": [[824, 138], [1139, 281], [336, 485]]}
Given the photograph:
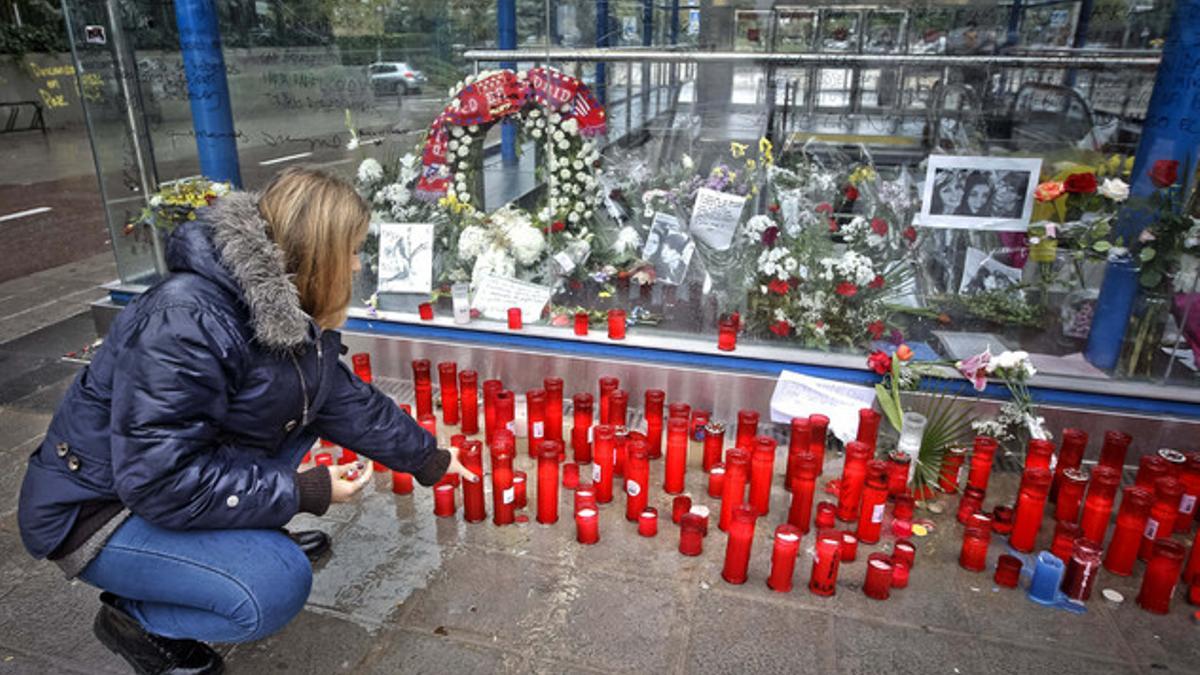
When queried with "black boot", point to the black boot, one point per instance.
{"points": [[314, 543], [151, 654]]}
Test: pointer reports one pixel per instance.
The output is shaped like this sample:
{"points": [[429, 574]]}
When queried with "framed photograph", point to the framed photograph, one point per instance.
{"points": [[983, 273], [979, 193], [95, 35], [669, 248], [405, 258]]}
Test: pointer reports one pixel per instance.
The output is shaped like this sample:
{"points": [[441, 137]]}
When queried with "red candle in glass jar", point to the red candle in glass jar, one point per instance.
{"points": [[970, 502], [826, 516], [506, 415], [1161, 523], [868, 427], [849, 547], [349, 456], [1190, 477], [553, 386], [700, 419], [618, 408], [679, 506], [679, 410], [976, 537], [716, 481], [826, 558], [747, 429], [468, 389], [1082, 568], [818, 427], [616, 324], [637, 479], [402, 483], [1191, 573], [714, 444], [520, 488], [443, 499], [448, 382], [1003, 520], [1150, 469], [585, 496], [473, 505], [605, 458], [504, 500], [1098, 504], [653, 412], [547, 506], [514, 318], [783, 558], [362, 366], [425, 311], [737, 549], [581, 323], [854, 474], [490, 389], [423, 391], [648, 522], [762, 467], [1070, 456], [607, 386], [727, 335], [1122, 552], [422, 370], [581, 405], [904, 506], [1031, 507], [1038, 454], [899, 574], [1116, 445], [737, 473], [1162, 573], [981, 462], [878, 584], [1008, 571], [587, 526], [570, 477], [896, 472], [676, 462], [874, 503], [429, 423], [952, 463], [535, 418], [905, 551], [691, 534], [804, 487], [799, 441], [1071, 485]]}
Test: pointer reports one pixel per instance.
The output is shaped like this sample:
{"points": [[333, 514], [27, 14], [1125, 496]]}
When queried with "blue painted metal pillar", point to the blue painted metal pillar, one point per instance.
{"points": [[208, 90], [1171, 131], [647, 23], [601, 41], [1014, 24], [674, 22], [506, 27]]}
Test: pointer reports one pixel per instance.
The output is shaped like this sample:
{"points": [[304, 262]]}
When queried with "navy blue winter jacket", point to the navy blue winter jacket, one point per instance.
{"points": [[208, 390]]}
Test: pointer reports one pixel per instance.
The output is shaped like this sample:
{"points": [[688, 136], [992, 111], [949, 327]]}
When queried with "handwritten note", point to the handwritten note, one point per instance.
{"points": [[715, 217], [495, 295], [798, 395]]}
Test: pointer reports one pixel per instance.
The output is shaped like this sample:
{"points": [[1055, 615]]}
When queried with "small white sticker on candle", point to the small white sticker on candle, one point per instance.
{"points": [[877, 513], [632, 488], [509, 495]]}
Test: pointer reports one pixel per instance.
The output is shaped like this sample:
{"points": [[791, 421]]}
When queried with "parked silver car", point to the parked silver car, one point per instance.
{"points": [[395, 77]]}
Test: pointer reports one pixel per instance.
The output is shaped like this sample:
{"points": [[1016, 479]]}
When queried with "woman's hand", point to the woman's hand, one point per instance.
{"points": [[348, 479], [457, 467]]}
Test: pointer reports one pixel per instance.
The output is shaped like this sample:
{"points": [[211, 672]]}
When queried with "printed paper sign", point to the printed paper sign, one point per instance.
{"points": [[495, 295], [715, 217], [798, 395], [405, 258]]}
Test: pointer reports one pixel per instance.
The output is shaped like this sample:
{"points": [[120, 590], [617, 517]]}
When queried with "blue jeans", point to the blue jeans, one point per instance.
{"points": [[208, 585]]}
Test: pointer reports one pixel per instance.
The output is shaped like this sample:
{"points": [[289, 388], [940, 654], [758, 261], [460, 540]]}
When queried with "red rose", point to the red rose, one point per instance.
{"points": [[819, 324], [773, 208], [851, 193], [1080, 183], [833, 226], [1164, 173], [879, 226], [847, 289], [824, 207], [770, 236], [781, 328], [779, 287], [877, 282], [879, 362], [576, 284], [558, 226], [910, 233], [876, 328]]}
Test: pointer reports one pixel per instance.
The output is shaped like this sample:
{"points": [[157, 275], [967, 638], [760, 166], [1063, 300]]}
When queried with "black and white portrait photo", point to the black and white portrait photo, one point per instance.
{"points": [[983, 273], [669, 248], [981, 193], [405, 258]]}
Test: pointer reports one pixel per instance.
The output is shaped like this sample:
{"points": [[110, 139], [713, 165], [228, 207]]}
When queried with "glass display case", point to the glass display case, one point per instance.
{"points": [[784, 169]]}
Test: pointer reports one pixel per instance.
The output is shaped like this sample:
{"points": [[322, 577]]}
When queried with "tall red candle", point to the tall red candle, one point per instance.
{"points": [[1098, 504], [700, 419], [1162, 573], [1190, 477], [581, 323], [553, 386], [878, 584], [429, 423], [818, 426], [472, 459], [680, 505], [655, 398], [1122, 553], [1116, 445], [506, 414], [1070, 456], [1065, 534], [616, 324], [607, 386], [1150, 469], [976, 537], [468, 389], [981, 462], [868, 427], [762, 467], [423, 386], [637, 479], [443, 499], [362, 366], [799, 441], [737, 549], [587, 526], [826, 558], [676, 462], [691, 534], [1031, 506], [1191, 573], [547, 505], [504, 497], [402, 483], [570, 475], [804, 486], [490, 389], [952, 462], [1161, 523], [854, 474], [714, 444], [747, 429], [1038, 454], [520, 491], [1082, 569], [535, 419], [618, 408], [716, 480], [783, 558], [727, 335], [737, 472], [874, 503], [679, 410], [896, 472], [970, 502], [514, 318], [448, 383], [1071, 485], [849, 548], [605, 458], [581, 405]]}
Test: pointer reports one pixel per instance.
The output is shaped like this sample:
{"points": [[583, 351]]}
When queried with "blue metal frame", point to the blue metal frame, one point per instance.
{"points": [[601, 88], [208, 90], [506, 34]]}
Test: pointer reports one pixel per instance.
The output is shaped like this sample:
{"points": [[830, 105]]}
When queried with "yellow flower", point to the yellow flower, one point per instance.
{"points": [[1128, 169], [862, 174], [750, 164], [765, 149], [605, 294], [737, 149]]}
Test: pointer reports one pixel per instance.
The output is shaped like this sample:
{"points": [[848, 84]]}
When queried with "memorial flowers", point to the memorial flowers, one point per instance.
{"points": [[1018, 419], [176, 202]]}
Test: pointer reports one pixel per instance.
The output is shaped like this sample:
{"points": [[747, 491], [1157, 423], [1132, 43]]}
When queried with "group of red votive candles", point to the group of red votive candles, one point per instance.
{"points": [[1159, 505]]}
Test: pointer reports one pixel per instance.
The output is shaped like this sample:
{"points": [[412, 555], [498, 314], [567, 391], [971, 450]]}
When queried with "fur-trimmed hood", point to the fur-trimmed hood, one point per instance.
{"points": [[228, 244]]}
